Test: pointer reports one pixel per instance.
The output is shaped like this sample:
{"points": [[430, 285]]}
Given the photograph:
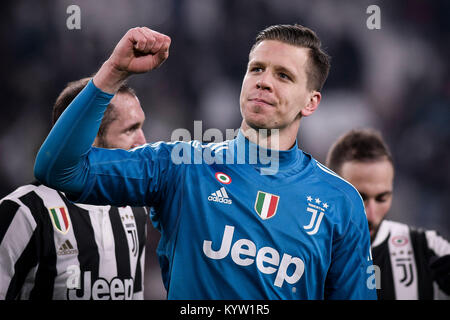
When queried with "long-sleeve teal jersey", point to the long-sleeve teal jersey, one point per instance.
{"points": [[237, 221]]}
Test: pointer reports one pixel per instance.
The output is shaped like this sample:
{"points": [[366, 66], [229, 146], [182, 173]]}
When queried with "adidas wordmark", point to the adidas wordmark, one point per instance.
{"points": [[220, 196]]}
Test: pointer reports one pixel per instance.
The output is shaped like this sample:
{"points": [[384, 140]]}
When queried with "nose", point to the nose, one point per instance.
{"points": [[370, 208], [139, 138], [264, 83]]}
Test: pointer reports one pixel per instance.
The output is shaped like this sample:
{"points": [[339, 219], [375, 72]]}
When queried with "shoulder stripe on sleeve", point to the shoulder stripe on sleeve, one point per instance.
{"points": [[27, 260], [438, 244], [8, 209], [18, 246], [327, 170]]}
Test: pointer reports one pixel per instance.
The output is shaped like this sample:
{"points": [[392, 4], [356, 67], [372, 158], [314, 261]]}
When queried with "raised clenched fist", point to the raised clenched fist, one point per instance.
{"points": [[140, 50]]}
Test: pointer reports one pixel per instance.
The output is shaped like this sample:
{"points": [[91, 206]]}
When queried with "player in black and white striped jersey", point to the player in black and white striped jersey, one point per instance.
{"points": [[414, 263], [51, 248]]}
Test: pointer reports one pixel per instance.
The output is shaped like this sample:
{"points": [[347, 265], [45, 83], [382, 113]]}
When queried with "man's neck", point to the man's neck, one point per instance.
{"points": [[275, 139]]}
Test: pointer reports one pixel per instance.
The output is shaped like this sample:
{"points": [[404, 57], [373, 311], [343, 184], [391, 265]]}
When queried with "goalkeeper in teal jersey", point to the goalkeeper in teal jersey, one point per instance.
{"points": [[250, 218]]}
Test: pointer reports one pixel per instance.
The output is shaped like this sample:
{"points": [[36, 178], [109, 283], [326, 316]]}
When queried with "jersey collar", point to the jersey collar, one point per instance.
{"points": [[266, 160]]}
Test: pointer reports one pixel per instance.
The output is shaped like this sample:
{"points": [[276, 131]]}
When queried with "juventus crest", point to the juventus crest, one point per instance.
{"points": [[129, 224], [317, 208]]}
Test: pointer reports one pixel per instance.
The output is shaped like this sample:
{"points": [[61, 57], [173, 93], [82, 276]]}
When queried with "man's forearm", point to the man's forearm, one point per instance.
{"points": [[108, 79]]}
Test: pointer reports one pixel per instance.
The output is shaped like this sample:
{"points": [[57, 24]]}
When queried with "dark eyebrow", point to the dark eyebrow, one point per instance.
{"points": [[278, 68], [134, 126], [255, 64], [379, 195], [386, 193], [286, 71]]}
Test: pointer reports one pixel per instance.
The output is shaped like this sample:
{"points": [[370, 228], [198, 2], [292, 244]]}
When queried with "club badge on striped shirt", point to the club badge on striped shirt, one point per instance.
{"points": [[60, 219], [266, 204]]}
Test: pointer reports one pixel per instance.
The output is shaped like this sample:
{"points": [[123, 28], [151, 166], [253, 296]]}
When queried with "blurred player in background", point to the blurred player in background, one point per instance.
{"points": [[232, 228], [51, 248], [414, 263]]}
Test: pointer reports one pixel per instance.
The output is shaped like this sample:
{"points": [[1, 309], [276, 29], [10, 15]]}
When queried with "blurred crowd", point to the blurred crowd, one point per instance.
{"points": [[395, 79]]}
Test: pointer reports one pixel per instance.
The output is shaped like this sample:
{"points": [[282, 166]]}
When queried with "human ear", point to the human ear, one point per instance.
{"points": [[312, 105]]}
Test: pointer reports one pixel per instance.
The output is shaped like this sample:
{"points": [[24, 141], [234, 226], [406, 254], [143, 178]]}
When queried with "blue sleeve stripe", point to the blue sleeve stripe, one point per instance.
{"points": [[325, 169]]}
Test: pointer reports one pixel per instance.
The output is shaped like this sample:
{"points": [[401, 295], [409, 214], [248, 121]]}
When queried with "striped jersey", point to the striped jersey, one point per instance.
{"points": [[51, 248], [237, 221], [414, 264]]}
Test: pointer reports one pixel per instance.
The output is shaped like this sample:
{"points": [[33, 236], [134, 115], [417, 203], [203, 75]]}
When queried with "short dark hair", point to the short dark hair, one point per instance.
{"points": [[363, 145], [297, 35], [69, 93]]}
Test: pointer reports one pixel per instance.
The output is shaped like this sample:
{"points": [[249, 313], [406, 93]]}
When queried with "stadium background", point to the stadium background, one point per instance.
{"points": [[395, 79]]}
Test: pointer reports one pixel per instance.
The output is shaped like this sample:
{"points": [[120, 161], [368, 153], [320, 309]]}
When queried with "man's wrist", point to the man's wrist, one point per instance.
{"points": [[109, 79]]}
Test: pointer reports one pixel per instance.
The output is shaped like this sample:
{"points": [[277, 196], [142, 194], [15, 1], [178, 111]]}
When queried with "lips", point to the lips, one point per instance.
{"points": [[262, 101]]}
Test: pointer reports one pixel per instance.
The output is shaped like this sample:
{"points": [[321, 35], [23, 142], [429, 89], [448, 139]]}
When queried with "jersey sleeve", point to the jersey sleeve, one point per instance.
{"points": [[17, 247], [138, 177], [440, 260], [351, 275]]}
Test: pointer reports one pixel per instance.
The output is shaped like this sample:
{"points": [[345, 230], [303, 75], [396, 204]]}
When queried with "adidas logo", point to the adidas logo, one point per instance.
{"points": [[220, 196], [66, 248]]}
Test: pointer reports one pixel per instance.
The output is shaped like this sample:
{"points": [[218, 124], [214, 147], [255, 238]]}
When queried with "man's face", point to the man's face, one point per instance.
{"points": [[374, 181], [274, 90], [125, 131]]}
